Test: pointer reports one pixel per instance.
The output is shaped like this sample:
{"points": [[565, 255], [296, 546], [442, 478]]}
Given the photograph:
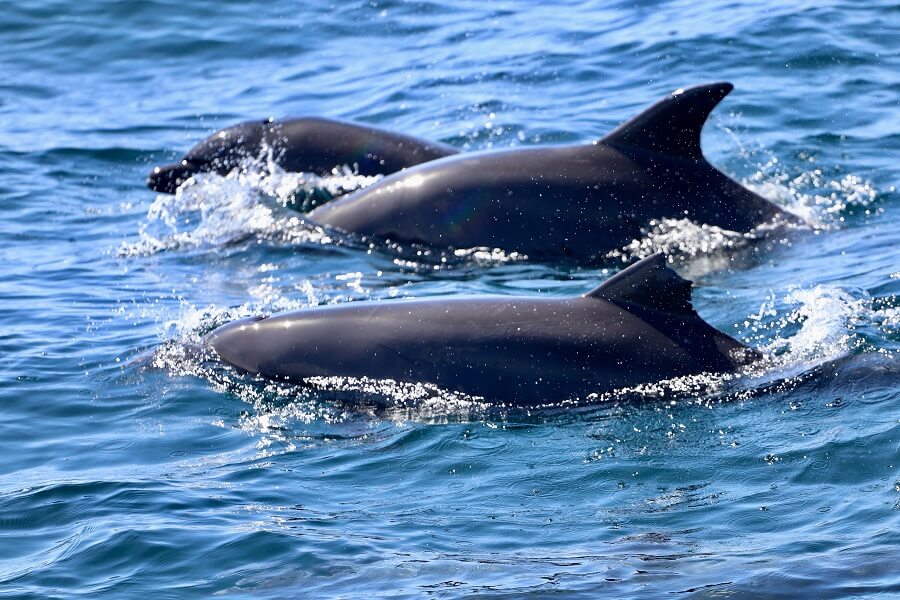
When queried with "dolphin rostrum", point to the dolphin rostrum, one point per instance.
{"points": [[637, 327], [308, 145], [578, 201]]}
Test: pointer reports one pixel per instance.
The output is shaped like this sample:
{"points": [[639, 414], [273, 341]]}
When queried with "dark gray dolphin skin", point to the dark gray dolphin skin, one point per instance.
{"points": [[637, 327], [562, 201], [308, 145]]}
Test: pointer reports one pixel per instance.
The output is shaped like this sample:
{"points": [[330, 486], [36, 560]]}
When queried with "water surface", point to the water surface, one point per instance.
{"points": [[128, 465]]}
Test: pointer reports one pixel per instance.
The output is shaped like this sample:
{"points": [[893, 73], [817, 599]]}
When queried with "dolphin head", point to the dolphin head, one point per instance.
{"points": [[240, 343], [167, 178], [219, 153]]}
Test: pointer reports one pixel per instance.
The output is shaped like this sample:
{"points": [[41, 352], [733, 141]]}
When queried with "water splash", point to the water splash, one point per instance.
{"points": [[212, 211], [184, 351], [888, 319], [422, 259], [701, 248], [810, 328], [821, 196], [824, 319], [814, 196], [401, 401]]}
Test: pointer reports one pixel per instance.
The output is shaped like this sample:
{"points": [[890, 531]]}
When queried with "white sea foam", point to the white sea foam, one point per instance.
{"points": [[818, 199], [211, 211], [184, 351], [888, 319], [826, 318], [809, 328], [683, 239]]}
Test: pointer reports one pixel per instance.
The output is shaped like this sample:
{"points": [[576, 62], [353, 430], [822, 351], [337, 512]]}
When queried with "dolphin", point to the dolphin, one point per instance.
{"points": [[638, 327], [552, 202], [309, 145]]}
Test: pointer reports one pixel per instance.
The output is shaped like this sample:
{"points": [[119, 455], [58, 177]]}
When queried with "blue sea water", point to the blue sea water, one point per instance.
{"points": [[129, 465]]}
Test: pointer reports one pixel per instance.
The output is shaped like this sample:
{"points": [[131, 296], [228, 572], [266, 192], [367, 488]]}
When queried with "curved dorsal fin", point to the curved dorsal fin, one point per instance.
{"points": [[649, 283], [672, 125]]}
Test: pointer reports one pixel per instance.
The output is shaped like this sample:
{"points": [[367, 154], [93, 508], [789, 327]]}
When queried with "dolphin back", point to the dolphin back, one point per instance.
{"points": [[637, 328], [305, 144]]}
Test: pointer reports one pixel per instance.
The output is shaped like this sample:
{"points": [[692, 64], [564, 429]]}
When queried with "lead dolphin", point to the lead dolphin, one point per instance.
{"points": [[308, 145], [579, 201], [638, 327]]}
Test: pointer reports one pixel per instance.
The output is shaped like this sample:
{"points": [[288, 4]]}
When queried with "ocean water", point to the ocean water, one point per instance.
{"points": [[131, 463]]}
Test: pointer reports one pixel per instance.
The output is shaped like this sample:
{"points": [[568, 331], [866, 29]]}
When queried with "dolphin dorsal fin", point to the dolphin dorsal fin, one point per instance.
{"points": [[649, 283], [672, 125]]}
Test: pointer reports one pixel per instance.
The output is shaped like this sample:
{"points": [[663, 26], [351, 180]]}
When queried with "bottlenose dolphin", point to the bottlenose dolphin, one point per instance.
{"points": [[309, 145], [637, 327], [578, 201]]}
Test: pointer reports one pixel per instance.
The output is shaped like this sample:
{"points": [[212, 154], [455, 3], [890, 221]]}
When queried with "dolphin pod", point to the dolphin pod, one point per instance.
{"points": [[309, 145], [577, 202], [637, 327]]}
